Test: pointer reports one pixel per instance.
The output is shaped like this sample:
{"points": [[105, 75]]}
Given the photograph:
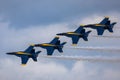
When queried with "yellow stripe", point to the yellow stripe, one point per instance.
{"points": [[47, 45], [74, 44], [82, 25], [72, 33], [23, 64], [57, 37], [20, 53], [32, 44], [106, 16], [23, 53], [99, 25]]}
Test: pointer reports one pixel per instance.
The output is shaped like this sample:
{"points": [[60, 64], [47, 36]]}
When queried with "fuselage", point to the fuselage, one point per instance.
{"points": [[95, 26], [69, 34], [20, 53], [47, 45]]}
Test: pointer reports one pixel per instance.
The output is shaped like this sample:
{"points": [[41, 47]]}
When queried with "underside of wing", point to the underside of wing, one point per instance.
{"points": [[100, 31], [24, 59], [75, 39], [50, 50]]}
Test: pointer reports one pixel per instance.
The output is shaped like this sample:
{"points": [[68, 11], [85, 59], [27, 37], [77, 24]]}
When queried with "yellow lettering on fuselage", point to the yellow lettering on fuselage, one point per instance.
{"points": [[99, 25], [73, 33], [47, 45], [23, 53]]}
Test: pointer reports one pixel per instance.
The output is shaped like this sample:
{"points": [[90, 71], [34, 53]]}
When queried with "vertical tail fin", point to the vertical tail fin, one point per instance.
{"points": [[78, 30], [54, 40], [104, 20], [61, 46], [86, 35], [35, 56], [82, 31], [110, 27]]}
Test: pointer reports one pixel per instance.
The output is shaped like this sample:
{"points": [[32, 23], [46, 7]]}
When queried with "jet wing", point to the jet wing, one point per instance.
{"points": [[78, 30], [29, 49], [50, 50], [104, 21], [55, 40], [24, 59], [75, 39], [100, 30]]}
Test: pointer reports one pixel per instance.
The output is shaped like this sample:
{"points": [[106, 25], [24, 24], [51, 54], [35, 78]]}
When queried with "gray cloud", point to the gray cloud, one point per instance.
{"points": [[29, 12], [9, 70]]}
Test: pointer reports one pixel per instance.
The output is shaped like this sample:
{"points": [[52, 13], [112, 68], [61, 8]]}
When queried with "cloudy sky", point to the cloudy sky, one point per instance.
{"points": [[23, 22]]}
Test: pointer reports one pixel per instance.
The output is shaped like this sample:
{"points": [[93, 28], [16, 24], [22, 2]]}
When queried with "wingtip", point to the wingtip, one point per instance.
{"points": [[49, 55], [57, 36], [74, 44], [23, 64], [32, 44], [82, 25], [106, 16]]}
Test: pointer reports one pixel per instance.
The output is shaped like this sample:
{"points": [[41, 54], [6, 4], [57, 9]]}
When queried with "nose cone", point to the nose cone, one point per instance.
{"points": [[11, 53], [60, 34]]}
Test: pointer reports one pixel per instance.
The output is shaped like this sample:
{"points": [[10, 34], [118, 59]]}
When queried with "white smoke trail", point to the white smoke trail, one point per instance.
{"points": [[85, 58], [97, 48], [105, 36]]}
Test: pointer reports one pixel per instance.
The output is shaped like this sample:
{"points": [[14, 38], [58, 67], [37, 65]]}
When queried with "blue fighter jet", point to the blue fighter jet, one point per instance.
{"points": [[105, 24], [76, 35], [25, 55], [50, 47]]}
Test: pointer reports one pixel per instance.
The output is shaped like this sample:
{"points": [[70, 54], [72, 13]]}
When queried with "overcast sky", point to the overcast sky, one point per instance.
{"points": [[23, 22]]}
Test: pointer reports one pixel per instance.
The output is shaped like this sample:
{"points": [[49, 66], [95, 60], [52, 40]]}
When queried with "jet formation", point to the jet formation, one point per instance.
{"points": [[56, 44]]}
